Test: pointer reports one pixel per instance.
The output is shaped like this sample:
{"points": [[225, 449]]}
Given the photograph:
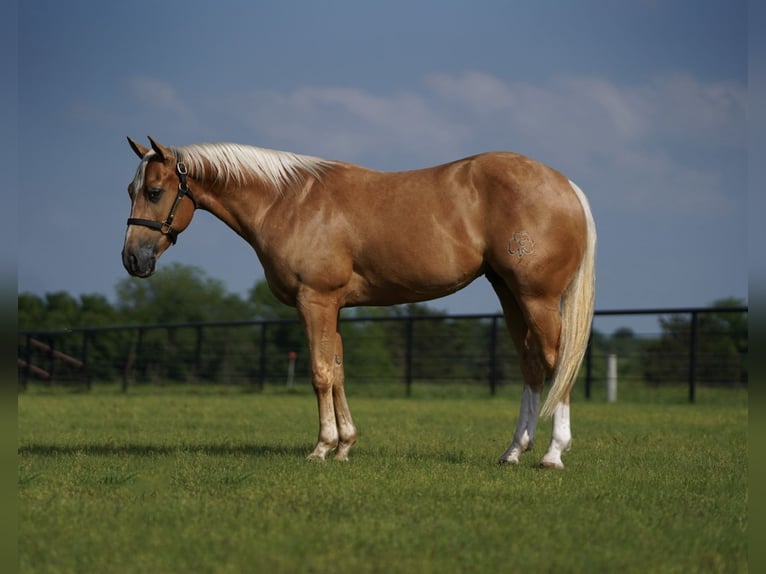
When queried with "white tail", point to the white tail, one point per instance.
{"points": [[576, 316]]}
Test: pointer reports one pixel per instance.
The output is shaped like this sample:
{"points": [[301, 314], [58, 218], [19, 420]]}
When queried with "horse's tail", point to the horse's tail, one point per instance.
{"points": [[576, 316]]}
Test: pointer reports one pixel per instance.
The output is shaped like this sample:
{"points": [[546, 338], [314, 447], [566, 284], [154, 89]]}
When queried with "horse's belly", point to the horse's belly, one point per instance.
{"points": [[412, 276]]}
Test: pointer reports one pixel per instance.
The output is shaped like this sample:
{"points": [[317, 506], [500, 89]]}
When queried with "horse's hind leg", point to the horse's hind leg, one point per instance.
{"points": [[561, 438], [535, 327], [531, 370], [544, 319]]}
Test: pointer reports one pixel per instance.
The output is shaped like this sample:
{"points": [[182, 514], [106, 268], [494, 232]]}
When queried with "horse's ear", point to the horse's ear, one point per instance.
{"points": [[161, 151], [139, 150]]}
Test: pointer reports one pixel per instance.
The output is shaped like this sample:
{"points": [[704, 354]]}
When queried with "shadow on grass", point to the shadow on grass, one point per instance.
{"points": [[397, 457], [161, 450]]}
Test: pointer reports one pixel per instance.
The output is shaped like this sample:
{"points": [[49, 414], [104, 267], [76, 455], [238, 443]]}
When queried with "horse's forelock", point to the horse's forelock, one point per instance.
{"points": [[138, 178]]}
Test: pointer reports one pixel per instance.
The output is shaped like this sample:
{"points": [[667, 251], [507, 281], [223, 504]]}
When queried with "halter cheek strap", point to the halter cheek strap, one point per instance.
{"points": [[166, 227]]}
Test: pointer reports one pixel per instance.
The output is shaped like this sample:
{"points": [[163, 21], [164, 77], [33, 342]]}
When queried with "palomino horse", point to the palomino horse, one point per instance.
{"points": [[331, 234]]}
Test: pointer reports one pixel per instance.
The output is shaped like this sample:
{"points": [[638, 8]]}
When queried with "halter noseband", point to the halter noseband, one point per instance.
{"points": [[166, 227]]}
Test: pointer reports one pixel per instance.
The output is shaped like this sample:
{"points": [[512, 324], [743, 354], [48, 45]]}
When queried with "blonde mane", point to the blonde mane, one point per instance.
{"points": [[229, 163]]}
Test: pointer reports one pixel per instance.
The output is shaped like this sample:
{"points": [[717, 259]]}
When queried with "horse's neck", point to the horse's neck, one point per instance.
{"points": [[242, 208]]}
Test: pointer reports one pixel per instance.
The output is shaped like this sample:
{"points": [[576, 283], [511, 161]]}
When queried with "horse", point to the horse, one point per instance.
{"points": [[331, 234]]}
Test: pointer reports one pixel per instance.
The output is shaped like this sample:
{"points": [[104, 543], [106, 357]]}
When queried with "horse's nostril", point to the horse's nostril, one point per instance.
{"points": [[125, 261], [130, 262]]}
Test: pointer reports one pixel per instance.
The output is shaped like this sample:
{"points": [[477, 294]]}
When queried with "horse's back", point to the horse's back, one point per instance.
{"points": [[477, 203], [434, 230]]}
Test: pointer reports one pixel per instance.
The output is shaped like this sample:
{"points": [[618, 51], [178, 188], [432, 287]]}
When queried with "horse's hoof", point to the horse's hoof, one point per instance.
{"points": [[512, 455], [552, 464], [313, 457], [343, 449]]}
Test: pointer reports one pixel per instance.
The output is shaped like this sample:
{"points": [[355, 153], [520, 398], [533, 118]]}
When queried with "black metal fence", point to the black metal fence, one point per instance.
{"points": [[687, 346]]}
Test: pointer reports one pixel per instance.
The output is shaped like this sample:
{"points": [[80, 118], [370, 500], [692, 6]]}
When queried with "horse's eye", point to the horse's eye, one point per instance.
{"points": [[153, 194]]}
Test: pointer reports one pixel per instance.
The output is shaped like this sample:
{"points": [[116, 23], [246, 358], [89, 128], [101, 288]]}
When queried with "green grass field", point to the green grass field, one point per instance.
{"points": [[211, 479]]}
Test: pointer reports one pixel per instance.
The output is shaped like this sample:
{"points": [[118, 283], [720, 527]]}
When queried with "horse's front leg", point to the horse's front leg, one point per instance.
{"points": [[320, 319], [346, 428]]}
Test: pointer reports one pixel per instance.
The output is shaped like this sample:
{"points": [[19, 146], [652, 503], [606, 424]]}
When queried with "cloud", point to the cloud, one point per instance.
{"points": [[475, 91], [686, 109], [160, 96], [662, 142], [351, 124], [591, 117]]}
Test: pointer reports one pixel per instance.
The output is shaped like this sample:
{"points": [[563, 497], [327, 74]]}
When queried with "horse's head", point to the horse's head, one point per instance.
{"points": [[162, 206]]}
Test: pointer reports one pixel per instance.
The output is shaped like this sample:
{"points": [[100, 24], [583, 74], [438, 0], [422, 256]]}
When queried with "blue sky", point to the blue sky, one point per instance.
{"points": [[642, 103]]}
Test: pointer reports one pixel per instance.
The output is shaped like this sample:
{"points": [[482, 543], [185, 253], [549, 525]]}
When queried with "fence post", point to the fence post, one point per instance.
{"points": [[409, 332], [611, 378], [134, 351], [493, 356], [262, 358], [198, 353], [139, 353], [291, 357], [84, 353], [28, 367], [167, 354], [693, 357], [51, 358]]}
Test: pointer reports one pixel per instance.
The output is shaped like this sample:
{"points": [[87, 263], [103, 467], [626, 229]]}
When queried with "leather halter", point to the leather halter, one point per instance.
{"points": [[166, 227]]}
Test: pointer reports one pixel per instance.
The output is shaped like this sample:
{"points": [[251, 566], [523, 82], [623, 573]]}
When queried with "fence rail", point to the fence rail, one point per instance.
{"points": [[691, 345]]}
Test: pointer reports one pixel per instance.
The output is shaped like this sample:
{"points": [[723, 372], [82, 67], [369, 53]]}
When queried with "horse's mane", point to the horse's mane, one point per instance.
{"points": [[230, 163], [240, 164]]}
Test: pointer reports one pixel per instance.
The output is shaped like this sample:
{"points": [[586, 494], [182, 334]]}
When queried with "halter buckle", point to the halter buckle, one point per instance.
{"points": [[166, 228]]}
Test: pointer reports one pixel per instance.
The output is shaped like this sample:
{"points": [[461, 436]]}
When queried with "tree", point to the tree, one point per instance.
{"points": [[438, 348], [280, 336], [366, 349], [61, 310], [177, 294], [265, 305], [31, 311], [182, 294], [721, 348], [723, 345], [96, 310]]}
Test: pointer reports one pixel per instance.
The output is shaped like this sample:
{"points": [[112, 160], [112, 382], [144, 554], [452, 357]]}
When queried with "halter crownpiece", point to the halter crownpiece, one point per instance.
{"points": [[166, 227]]}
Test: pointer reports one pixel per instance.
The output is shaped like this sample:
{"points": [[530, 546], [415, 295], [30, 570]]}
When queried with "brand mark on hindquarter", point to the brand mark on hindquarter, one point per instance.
{"points": [[521, 244]]}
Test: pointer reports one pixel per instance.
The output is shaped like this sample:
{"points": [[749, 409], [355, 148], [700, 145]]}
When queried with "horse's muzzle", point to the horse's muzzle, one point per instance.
{"points": [[139, 263]]}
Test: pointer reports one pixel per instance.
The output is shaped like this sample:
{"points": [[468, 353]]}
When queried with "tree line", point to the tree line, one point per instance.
{"points": [[442, 348]]}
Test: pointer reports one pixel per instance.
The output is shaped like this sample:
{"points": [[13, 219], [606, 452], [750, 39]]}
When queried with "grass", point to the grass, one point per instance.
{"points": [[214, 480]]}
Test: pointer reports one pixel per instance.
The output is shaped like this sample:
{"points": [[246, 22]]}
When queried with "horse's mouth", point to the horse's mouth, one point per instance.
{"points": [[139, 266]]}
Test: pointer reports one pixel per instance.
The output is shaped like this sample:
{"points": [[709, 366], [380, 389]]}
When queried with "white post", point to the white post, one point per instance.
{"points": [[611, 378]]}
